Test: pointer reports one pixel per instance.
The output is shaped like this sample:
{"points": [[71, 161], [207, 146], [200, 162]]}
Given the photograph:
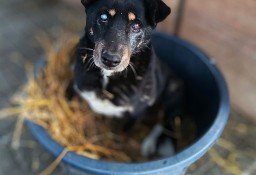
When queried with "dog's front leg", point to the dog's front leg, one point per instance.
{"points": [[156, 143]]}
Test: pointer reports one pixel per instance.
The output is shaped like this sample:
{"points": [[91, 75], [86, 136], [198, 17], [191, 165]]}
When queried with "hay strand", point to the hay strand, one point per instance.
{"points": [[15, 143], [54, 164], [10, 112]]}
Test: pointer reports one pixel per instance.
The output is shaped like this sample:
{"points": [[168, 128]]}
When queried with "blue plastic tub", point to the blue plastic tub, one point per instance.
{"points": [[208, 99]]}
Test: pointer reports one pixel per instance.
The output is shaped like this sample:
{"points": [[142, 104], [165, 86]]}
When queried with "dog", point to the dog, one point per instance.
{"points": [[116, 70]]}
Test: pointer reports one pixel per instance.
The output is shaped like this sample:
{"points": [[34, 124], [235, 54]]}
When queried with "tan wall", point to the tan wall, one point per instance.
{"points": [[226, 29]]}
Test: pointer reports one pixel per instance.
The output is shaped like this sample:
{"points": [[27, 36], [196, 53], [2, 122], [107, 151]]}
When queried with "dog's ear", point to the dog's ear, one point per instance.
{"points": [[162, 11], [86, 2], [156, 11]]}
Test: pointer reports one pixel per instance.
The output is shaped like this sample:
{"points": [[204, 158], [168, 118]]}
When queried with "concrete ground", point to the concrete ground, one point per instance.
{"points": [[21, 22]]}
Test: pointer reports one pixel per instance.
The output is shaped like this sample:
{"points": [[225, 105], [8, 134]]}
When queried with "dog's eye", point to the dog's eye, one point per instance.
{"points": [[136, 26], [104, 17]]}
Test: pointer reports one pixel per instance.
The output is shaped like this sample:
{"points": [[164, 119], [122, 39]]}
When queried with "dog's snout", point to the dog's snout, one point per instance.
{"points": [[110, 59]]}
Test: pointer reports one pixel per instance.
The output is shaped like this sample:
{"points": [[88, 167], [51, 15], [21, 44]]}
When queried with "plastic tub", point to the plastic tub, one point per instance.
{"points": [[208, 100]]}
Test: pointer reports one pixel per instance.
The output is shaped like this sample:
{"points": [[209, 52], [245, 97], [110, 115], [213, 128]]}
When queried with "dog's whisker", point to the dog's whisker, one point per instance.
{"points": [[85, 48], [126, 72], [86, 56], [133, 65], [90, 60], [92, 63], [133, 70]]}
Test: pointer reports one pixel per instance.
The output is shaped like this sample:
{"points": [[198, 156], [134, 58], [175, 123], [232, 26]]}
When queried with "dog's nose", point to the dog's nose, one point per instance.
{"points": [[110, 59]]}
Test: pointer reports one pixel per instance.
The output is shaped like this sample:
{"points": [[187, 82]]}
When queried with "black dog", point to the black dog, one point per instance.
{"points": [[116, 69]]}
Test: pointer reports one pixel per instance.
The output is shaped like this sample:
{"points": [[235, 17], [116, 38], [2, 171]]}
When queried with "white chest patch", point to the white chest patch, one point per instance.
{"points": [[104, 106]]}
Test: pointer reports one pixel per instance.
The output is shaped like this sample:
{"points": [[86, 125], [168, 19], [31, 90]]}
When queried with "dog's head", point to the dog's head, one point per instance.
{"points": [[121, 28]]}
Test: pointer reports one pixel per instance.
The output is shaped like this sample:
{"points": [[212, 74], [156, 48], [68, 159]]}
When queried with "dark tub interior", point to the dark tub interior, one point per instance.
{"points": [[201, 91]]}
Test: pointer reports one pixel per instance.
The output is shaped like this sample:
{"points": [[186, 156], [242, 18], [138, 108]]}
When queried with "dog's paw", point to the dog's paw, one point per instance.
{"points": [[166, 148], [149, 145]]}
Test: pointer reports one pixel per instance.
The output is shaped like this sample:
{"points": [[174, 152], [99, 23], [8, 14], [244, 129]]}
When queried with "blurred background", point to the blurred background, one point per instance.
{"points": [[224, 29]]}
